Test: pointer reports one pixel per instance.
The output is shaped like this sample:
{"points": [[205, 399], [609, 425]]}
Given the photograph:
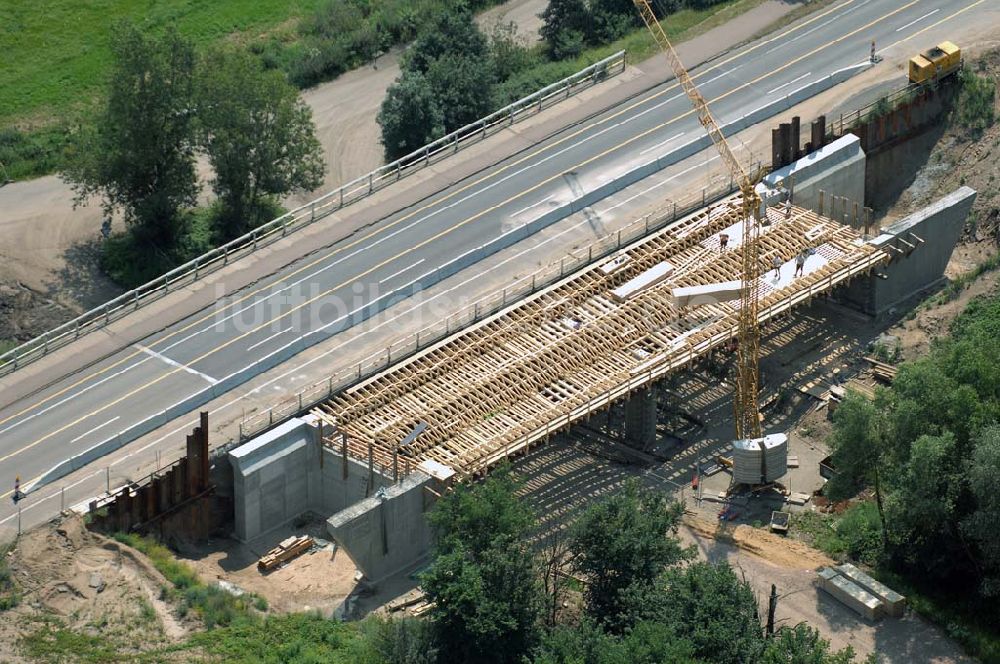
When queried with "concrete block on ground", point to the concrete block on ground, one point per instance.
{"points": [[895, 604], [850, 594]]}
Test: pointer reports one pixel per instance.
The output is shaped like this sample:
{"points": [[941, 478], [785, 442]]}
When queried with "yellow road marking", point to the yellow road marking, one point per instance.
{"points": [[456, 226], [408, 216]]}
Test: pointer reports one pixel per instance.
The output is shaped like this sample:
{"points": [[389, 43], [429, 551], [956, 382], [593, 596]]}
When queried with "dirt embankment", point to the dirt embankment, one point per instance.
{"points": [[957, 159], [69, 578]]}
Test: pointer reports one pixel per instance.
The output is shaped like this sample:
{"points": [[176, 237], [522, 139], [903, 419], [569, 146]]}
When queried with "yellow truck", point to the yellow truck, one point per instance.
{"points": [[935, 63]]}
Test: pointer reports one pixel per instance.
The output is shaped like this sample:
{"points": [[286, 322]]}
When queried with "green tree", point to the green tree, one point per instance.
{"points": [[564, 28], [921, 507], [484, 581], [612, 19], [623, 540], [930, 401], [462, 87], [587, 643], [410, 117], [487, 608], [859, 449], [259, 137], [139, 157], [509, 51], [705, 605], [983, 523], [450, 32], [475, 517], [803, 645]]}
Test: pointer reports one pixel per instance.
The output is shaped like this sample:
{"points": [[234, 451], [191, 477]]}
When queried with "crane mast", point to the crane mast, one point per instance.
{"points": [[747, 412]]}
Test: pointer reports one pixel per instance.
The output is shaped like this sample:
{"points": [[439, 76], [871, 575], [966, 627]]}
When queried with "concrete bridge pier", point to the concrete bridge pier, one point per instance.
{"points": [[640, 418]]}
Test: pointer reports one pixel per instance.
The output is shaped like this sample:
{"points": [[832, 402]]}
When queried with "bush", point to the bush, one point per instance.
{"points": [[215, 606], [976, 103], [28, 154], [130, 262], [854, 534]]}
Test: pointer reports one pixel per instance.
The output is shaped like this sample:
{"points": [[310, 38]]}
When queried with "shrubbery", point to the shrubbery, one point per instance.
{"points": [[976, 107], [929, 448]]}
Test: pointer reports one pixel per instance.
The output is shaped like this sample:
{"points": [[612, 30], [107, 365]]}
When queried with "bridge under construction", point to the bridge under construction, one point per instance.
{"points": [[593, 338]]}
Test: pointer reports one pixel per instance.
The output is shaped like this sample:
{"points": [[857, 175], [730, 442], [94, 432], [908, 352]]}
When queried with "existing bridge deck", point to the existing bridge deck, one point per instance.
{"points": [[572, 349]]}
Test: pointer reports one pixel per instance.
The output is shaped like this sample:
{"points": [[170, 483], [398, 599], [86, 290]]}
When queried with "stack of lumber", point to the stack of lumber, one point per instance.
{"points": [[884, 372], [288, 549]]}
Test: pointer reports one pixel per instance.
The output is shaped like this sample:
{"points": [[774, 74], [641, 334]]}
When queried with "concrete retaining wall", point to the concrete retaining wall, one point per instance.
{"points": [[388, 532], [915, 269], [286, 472], [837, 169]]}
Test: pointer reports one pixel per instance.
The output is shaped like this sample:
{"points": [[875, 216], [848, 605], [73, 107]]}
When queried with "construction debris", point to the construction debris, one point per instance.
{"points": [[288, 549]]}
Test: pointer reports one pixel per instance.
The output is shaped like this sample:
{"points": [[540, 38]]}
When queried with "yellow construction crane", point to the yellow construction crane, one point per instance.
{"points": [[747, 413]]}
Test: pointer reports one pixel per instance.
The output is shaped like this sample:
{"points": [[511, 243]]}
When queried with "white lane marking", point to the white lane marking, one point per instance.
{"points": [[661, 143], [264, 341], [525, 209], [914, 22], [785, 85], [99, 426], [174, 363], [408, 267], [658, 184], [821, 25], [679, 95], [71, 397]]}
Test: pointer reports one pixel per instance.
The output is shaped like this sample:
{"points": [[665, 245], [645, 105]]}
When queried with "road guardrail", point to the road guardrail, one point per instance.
{"points": [[305, 215]]}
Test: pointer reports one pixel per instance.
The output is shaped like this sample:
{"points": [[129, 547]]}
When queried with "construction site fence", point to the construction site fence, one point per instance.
{"points": [[308, 213], [408, 346]]}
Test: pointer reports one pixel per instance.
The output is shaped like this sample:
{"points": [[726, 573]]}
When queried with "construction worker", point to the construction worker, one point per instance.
{"points": [[723, 241], [788, 206], [776, 264], [800, 263]]}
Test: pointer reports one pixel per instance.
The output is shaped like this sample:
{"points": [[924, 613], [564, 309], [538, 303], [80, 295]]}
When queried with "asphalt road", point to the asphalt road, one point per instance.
{"points": [[317, 295]]}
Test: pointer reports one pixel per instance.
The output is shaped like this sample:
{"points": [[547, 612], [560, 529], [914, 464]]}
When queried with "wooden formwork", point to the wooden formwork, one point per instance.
{"points": [[559, 355]]}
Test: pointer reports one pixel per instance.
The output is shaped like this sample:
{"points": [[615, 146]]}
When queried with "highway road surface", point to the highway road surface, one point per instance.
{"points": [[318, 295]]}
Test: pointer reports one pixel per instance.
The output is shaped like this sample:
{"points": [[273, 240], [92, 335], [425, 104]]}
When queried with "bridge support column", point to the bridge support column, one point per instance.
{"points": [[640, 418]]}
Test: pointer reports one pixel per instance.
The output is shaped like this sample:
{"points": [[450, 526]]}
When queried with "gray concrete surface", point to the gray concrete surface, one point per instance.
{"points": [[922, 245], [388, 532], [837, 169], [286, 472]]}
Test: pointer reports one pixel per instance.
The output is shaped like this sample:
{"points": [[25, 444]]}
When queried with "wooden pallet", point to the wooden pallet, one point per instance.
{"points": [[288, 549]]}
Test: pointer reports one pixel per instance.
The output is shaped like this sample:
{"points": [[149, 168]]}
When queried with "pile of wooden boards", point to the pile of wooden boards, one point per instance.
{"points": [[882, 371], [290, 548]]}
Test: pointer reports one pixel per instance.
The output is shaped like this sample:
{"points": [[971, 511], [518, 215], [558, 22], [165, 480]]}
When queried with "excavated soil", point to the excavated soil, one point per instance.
{"points": [[69, 577]]}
